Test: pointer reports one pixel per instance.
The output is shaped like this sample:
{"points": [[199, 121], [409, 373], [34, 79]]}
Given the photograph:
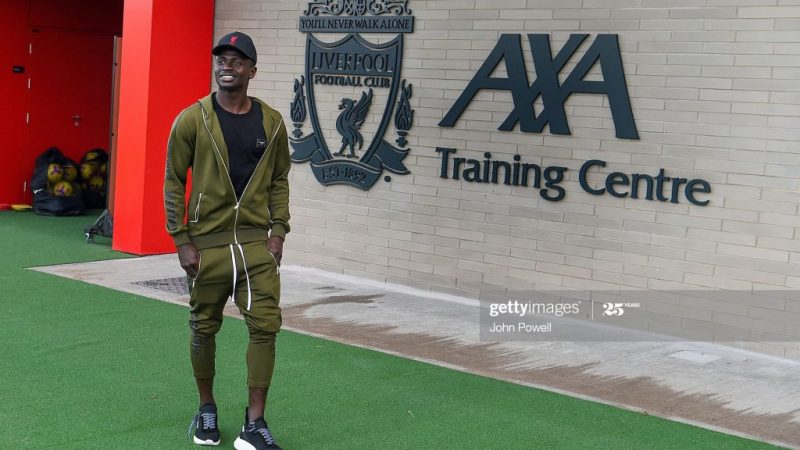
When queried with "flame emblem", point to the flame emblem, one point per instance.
{"points": [[404, 117]]}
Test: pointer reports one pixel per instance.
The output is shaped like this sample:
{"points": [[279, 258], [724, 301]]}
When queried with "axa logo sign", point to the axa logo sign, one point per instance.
{"points": [[360, 80], [547, 85]]}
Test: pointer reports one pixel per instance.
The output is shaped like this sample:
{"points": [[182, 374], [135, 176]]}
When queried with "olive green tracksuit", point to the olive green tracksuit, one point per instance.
{"points": [[230, 233]]}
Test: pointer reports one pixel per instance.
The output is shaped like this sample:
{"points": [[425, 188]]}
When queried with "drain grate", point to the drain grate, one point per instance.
{"points": [[173, 285]]}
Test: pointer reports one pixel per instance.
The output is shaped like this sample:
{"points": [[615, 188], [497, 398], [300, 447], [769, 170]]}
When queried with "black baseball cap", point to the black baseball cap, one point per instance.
{"points": [[236, 41]]}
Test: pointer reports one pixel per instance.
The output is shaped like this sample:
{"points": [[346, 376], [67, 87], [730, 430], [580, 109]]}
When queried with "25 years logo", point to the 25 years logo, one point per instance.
{"points": [[356, 76]]}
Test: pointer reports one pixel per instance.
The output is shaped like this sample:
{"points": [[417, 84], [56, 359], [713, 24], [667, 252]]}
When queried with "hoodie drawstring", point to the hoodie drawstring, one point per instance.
{"points": [[246, 274], [233, 263]]}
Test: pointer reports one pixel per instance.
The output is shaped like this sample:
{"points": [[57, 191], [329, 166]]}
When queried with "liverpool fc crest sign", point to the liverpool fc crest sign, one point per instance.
{"points": [[351, 90]]}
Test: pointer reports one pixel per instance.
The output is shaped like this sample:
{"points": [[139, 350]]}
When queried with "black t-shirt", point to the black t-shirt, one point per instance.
{"points": [[246, 141]]}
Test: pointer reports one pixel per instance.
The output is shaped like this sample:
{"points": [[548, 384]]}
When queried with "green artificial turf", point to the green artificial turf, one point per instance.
{"points": [[87, 367]]}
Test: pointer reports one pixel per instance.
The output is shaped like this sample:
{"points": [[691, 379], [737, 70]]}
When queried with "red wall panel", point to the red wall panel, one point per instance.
{"points": [[17, 17], [13, 90]]}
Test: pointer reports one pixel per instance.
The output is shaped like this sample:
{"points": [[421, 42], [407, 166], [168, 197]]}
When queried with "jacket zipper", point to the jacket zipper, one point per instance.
{"points": [[258, 164], [228, 175]]}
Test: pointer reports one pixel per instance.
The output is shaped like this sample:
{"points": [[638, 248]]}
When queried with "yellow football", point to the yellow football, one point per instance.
{"points": [[88, 169], [62, 189], [70, 172], [54, 173], [97, 183]]}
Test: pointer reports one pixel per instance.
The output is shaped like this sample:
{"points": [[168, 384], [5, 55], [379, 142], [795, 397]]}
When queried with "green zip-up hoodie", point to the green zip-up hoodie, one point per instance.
{"points": [[215, 217]]}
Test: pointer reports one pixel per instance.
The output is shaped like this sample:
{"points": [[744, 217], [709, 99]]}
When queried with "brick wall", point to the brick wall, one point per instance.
{"points": [[715, 91]]}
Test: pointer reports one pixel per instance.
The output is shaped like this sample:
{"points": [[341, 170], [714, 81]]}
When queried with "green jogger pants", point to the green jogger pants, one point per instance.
{"points": [[249, 274]]}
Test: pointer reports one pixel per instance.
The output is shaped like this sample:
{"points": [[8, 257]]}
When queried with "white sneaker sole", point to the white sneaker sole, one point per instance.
{"points": [[241, 444], [208, 442]]}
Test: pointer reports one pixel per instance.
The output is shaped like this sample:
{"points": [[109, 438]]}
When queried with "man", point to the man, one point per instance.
{"points": [[230, 240]]}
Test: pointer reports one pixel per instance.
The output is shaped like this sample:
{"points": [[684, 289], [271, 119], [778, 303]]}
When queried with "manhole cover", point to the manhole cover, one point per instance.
{"points": [[174, 285], [693, 356]]}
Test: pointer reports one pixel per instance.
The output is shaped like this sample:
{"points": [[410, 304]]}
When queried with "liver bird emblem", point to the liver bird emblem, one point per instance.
{"points": [[350, 121]]}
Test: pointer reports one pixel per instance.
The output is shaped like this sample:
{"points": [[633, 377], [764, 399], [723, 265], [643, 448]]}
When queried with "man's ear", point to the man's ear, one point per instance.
{"points": [[253, 71]]}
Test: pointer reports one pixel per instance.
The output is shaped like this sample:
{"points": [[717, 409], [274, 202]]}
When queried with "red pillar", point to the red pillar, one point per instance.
{"points": [[166, 65]]}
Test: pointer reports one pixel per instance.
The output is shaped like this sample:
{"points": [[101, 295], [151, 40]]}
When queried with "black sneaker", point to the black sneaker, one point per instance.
{"points": [[255, 436], [205, 424]]}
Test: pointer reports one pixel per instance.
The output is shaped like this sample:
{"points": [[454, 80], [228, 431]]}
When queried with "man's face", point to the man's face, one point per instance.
{"points": [[233, 71]]}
